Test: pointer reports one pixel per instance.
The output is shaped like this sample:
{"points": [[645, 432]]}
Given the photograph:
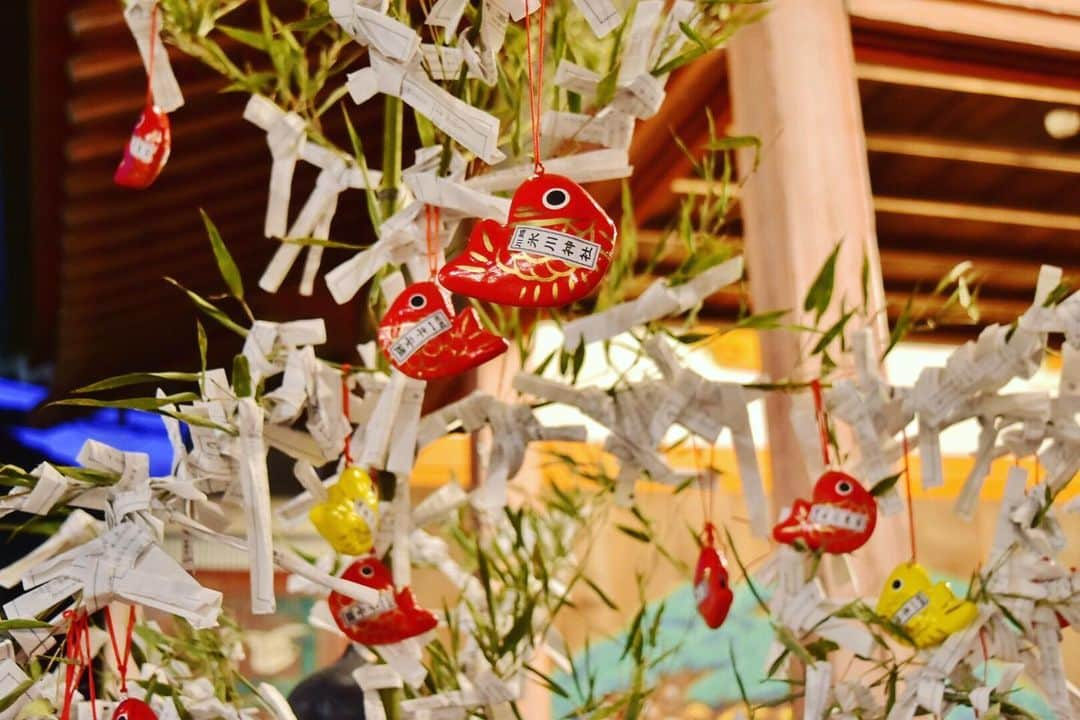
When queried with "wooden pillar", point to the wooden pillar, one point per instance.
{"points": [[793, 85]]}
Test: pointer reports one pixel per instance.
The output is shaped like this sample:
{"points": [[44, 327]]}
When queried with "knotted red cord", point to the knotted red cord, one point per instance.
{"points": [[121, 660], [536, 83]]}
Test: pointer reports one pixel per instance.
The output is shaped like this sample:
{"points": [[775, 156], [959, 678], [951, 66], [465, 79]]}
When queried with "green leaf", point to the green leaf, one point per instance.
{"points": [[900, 329], [762, 321], [831, 334], [788, 640], [200, 333], [137, 379], [226, 265], [821, 648], [241, 377], [820, 293], [638, 535], [20, 690], [136, 403], [521, 627], [20, 624], [604, 598], [210, 309], [245, 37], [884, 485]]}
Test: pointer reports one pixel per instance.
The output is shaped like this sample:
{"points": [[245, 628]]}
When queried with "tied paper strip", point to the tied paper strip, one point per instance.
{"points": [[513, 427], [49, 489], [390, 435], [399, 240], [372, 679], [476, 130], [255, 482], [658, 301], [392, 39], [125, 563], [285, 134], [584, 167], [609, 127], [77, 529], [338, 173], [705, 408], [138, 14]]}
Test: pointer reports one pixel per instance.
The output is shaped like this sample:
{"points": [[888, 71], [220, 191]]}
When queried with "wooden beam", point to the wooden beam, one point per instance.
{"points": [[938, 80], [940, 209], [977, 213], [1023, 158], [993, 22], [1055, 7], [811, 188]]}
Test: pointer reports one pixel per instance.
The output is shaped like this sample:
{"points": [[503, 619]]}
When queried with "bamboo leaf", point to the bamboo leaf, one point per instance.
{"points": [[884, 485], [241, 377], [245, 37], [226, 265], [136, 403], [210, 309], [831, 334], [820, 293], [137, 379]]}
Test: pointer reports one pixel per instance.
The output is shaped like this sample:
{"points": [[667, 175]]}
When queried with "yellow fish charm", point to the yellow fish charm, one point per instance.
{"points": [[348, 517], [929, 612]]}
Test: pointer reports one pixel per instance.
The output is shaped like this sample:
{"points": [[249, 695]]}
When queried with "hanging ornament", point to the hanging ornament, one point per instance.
{"points": [[133, 709], [841, 515], [147, 149], [347, 519], [558, 241], [395, 617], [349, 516], [928, 612], [711, 590], [422, 337]]}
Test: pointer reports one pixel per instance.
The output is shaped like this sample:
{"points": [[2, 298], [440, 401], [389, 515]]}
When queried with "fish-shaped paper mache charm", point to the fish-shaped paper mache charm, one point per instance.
{"points": [[133, 709], [711, 590], [422, 337], [554, 249], [393, 618], [147, 150], [349, 516], [928, 611], [840, 517]]}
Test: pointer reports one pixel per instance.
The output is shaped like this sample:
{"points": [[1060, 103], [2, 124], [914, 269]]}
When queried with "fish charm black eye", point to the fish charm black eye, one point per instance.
{"points": [[417, 301], [367, 571], [556, 199], [843, 487], [897, 584]]}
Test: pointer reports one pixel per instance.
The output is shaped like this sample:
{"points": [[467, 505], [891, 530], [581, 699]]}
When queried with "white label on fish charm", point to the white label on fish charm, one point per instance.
{"points": [[562, 246], [911, 608], [419, 335], [838, 517]]}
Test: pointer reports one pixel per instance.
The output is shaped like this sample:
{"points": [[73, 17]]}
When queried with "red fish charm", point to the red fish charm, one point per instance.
{"points": [[147, 150], [840, 518], [395, 617], [555, 249], [423, 339], [711, 590], [133, 709]]}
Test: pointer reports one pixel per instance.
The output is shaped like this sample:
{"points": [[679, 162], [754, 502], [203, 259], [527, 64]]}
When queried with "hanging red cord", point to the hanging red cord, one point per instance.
{"points": [[121, 660], [431, 218], [78, 656], [150, 62], [910, 499], [346, 369], [819, 413], [536, 82]]}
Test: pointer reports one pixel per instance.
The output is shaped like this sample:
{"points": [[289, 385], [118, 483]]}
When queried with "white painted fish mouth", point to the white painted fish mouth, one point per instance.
{"points": [[838, 517], [915, 605]]}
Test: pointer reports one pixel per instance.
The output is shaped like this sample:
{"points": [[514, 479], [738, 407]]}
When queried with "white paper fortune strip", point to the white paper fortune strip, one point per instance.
{"points": [[658, 301], [286, 133], [584, 167], [394, 40], [138, 16], [251, 455], [476, 130]]}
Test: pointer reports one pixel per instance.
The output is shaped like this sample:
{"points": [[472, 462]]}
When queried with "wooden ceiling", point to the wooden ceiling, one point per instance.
{"points": [[960, 164]]}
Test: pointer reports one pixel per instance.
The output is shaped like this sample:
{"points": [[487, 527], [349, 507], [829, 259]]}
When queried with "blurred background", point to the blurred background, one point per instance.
{"points": [[971, 113]]}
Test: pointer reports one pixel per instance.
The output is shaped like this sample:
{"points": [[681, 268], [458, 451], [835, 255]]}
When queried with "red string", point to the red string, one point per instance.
{"points": [[536, 83], [121, 661], [78, 633], [910, 499], [819, 412], [150, 62], [346, 369], [431, 217]]}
